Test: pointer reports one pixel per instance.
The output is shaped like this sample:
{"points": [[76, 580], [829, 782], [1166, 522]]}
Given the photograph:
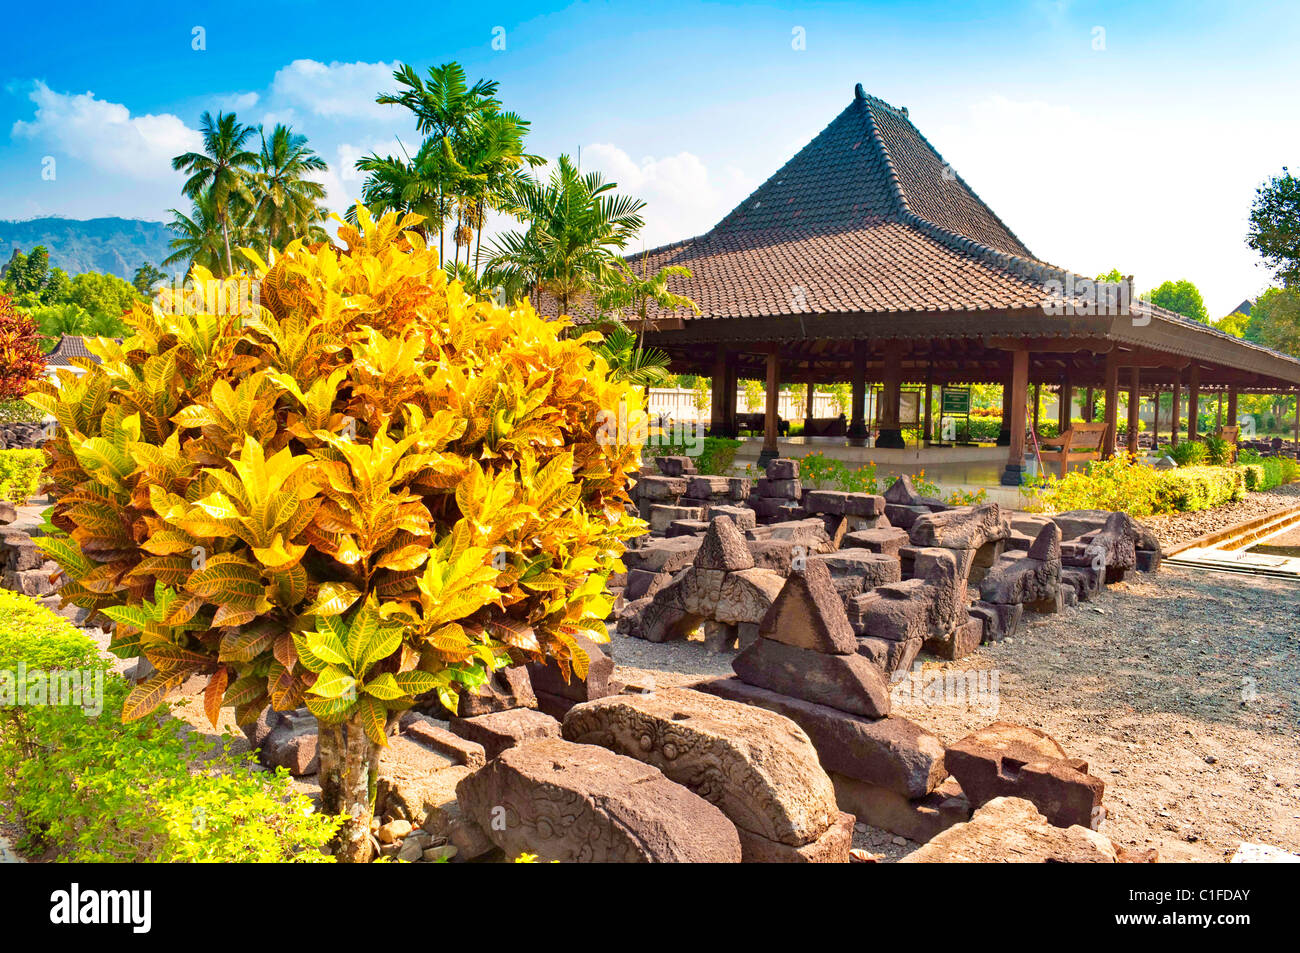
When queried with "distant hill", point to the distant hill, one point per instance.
{"points": [[115, 245]]}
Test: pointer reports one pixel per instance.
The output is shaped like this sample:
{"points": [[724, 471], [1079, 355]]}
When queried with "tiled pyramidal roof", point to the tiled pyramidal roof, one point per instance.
{"points": [[866, 217]]}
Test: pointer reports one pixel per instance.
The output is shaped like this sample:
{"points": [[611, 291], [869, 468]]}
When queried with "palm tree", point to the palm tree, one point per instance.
{"points": [[405, 185], [628, 291], [577, 224], [199, 236], [286, 198], [444, 106], [222, 170], [630, 362]]}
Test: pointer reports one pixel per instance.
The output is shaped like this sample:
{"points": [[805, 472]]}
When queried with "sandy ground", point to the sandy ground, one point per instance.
{"points": [[1180, 689]]}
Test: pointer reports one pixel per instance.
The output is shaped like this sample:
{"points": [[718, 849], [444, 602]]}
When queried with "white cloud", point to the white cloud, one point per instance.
{"points": [[106, 134], [336, 90], [1159, 198], [237, 102], [683, 198]]}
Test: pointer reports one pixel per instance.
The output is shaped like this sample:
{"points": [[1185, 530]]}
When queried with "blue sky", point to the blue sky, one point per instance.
{"points": [[1104, 134]]}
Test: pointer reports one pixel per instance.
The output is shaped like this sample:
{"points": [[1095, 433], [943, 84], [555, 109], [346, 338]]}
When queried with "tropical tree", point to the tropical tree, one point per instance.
{"points": [[287, 200], [199, 236], [146, 276], [445, 106], [1275, 225], [629, 292], [629, 361], [222, 171], [577, 225], [1181, 297]]}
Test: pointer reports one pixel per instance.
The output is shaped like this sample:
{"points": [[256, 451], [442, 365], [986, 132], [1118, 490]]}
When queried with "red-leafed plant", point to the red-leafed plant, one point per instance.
{"points": [[21, 359]]}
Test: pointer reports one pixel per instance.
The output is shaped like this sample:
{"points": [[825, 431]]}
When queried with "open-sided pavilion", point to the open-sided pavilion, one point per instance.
{"points": [[867, 259]]}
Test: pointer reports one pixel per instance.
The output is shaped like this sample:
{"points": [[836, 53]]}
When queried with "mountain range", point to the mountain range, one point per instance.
{"points": [[114, 245]]}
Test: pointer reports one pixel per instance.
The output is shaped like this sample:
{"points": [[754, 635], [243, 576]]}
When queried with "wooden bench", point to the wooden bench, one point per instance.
{"points": [[757, 423], [1080, 442], [825, 427]]}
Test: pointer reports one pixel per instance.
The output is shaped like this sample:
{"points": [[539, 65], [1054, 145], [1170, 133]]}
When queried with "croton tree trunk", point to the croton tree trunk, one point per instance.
{"points": [[349, 765]]}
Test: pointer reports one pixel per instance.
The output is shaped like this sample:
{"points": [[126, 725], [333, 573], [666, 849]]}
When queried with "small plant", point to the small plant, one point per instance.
{"points": [[1218, 451], [20, 474], [1189, 453], [22, 360]]}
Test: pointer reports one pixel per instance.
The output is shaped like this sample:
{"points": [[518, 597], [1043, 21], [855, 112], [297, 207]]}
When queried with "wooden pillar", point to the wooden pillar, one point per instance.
{"points": [[1193, 401], [1297, 422], [718, 405], [1038, 400], [858, 423], [1018, 388], [1065, 404], [732, 384], [1112, 405], [891, 435], [1232, 406], [1134, 406], [1155, 419], [770, 431], [1177, 410], [808, 411], [927, 433], [1004, 434], [1087, 406]]}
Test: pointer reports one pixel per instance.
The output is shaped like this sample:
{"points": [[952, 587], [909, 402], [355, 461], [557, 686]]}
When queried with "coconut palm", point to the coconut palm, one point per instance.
{"points": [[222, 170], [287, 201], [199, 236], [577, 225]]}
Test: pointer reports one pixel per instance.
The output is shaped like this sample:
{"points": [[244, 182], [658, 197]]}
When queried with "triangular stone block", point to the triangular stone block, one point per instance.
{"points": [[808, 614], [724, 547]]}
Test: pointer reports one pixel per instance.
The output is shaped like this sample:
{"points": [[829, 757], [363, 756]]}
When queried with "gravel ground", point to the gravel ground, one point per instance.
{"points": [[1181, 690], [1183, 527]]}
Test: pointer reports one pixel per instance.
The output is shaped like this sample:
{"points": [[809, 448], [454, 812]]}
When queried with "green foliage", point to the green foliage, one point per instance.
{"points": [[1124, 485], [20, 474], [1275, 225], [1189, 453], [19, 411], [95, 790], [714, 459], [1218, 452], [1275, 320], [1181, 297], [1264, 473], [822, 472]]}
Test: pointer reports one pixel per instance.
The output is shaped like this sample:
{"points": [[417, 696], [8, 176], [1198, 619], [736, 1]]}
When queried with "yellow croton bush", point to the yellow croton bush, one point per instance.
{"points": [[367, 487]]}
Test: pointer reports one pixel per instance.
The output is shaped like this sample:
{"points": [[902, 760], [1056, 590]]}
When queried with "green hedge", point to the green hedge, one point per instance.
{"points": [[1264, 473], [713, 457], [19, 411], [94, 789], [20, 474], [1200, 488], [1119, 484]]}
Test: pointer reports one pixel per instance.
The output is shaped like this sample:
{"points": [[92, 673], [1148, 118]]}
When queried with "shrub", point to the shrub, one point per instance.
{"points": [[1218, 452], [821, 472], [95, 790], [1189, 453], [373, 488], [22, 361], [715, 454], [1122, 484], [19, 411], [20, 474], [1264, 473]]}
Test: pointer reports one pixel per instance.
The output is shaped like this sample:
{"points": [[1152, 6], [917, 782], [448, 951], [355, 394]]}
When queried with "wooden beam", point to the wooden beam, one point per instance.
{"points": [[891, 435]]}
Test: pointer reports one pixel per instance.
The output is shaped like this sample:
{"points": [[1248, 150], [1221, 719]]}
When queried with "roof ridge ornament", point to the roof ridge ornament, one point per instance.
{"points": [[859, 92]]}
